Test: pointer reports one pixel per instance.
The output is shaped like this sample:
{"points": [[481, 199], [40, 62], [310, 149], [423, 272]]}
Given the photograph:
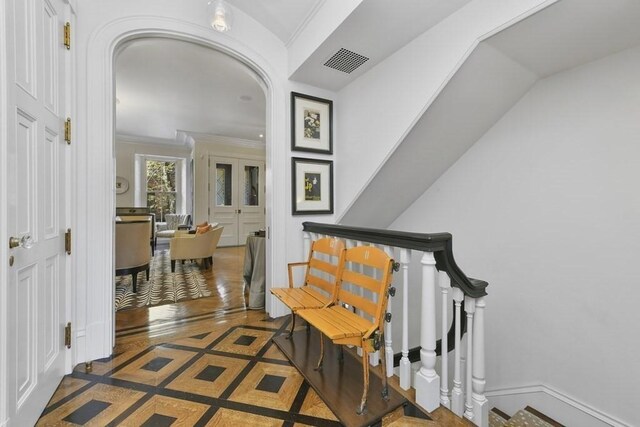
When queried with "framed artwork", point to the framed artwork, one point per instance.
{"points": [[311, 186], [311, 124]]}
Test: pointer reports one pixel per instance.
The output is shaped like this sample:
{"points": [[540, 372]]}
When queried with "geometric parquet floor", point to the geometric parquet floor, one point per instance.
{"points": [[204, 362], [229, 375]]}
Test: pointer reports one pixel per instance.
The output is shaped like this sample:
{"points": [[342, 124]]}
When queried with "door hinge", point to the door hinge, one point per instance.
{"points": [[67, 131], [67, 35], [67, 335], [209, 211], [67, 241]]}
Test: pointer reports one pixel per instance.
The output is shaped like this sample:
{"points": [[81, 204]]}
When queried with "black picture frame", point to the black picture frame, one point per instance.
{"points": [[310, 130], [311, 186]]}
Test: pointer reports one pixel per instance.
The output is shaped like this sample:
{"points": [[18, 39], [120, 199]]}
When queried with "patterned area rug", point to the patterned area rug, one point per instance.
{"points": [[163, 286]]}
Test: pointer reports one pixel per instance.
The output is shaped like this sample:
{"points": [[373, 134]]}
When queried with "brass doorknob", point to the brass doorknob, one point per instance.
{"points": [[25, 241]]}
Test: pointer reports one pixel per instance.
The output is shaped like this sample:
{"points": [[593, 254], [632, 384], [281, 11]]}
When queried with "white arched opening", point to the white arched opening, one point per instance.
{"points": [[94, 168]]}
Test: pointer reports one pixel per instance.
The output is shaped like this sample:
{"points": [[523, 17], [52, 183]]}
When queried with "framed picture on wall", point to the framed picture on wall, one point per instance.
{"points": [[311, 124], [311, 186]]}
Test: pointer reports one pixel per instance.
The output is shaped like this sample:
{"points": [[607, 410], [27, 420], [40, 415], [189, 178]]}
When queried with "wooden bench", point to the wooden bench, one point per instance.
{"points": [[316, 291], [363, 327]]}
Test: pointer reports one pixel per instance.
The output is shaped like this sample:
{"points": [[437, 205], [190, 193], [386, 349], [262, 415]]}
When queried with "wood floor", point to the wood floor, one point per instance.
{"points": [[204, 362]]}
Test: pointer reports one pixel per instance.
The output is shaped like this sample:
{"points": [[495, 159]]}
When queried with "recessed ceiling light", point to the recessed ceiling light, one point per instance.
{"points": [[246, 98], [261, 136]]}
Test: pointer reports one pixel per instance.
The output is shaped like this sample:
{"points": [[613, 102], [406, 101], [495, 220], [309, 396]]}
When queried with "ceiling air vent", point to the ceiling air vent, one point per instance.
{"points": [[346, 61]]}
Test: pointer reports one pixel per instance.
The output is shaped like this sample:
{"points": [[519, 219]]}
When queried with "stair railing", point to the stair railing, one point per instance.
{"points": [[466, 398]]}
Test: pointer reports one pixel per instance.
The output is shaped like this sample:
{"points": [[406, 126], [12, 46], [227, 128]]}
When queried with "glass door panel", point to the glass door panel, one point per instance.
{"points": [[224, 184]]}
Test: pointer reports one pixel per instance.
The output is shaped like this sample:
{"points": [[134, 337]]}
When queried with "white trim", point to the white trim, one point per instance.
{"points": [[140, 179], [4, 272], [312, 13], [558, 395], [95, 164], [224, 140], [136, 139]]}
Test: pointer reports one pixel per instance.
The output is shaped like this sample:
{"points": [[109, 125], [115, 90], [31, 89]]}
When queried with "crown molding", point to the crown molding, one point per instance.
{"points": [[121, 137], [225, 140], [312, 13]]}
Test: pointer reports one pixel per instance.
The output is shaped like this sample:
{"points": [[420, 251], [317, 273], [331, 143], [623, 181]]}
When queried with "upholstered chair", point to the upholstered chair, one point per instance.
{"points": [[132, 248], [194, 246], [172, 223]]}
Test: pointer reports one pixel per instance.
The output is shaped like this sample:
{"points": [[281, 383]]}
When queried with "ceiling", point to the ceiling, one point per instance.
{"points": [[165, 85], [375, 29], [168, 88], [570, 33], [284, 18]]}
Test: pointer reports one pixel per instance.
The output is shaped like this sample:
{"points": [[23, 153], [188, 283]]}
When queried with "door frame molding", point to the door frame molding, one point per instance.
{"points": [[4, 235], [95, 167]]}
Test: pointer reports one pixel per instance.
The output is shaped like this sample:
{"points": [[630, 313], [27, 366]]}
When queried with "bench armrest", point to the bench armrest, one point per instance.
{"points": [[290, 268]]}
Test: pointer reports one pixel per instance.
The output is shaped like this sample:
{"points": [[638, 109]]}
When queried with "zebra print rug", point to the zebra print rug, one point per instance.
{"points": [[163, 286]]}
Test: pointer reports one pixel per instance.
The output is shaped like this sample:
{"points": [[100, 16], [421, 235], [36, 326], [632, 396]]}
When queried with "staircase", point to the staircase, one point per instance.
{"points": [[525, 417]]}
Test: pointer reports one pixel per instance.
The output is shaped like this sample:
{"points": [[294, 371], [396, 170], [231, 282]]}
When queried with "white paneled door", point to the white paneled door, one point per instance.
{"points": [[36, 216], [236, 198]]}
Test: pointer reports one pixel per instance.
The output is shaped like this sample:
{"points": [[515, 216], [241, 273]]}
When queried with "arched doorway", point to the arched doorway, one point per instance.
{"points": [[94, 163]]}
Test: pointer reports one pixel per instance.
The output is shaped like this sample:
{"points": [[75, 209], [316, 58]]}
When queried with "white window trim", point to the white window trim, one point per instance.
{"points": [[140, 186]]}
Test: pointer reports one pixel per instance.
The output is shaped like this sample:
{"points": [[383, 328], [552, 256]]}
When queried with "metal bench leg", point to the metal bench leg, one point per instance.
{"points": [[365, 374], [319, 366], [293, 323], [385, 382]]}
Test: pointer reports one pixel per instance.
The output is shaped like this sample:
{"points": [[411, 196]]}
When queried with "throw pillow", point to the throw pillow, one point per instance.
{"points": [[204, 224], [202, 230]]}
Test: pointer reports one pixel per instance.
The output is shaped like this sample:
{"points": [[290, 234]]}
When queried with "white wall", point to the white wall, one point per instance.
{"points": [[125, 166], [376, 111], [546, 207]]}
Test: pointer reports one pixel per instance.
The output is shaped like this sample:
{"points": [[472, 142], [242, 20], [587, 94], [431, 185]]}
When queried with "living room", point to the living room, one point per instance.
{"points": [[201, 132]]}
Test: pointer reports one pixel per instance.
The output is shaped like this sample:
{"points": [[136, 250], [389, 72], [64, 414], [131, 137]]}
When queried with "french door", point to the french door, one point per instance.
{"points": [[36, 187], [236, 198]]}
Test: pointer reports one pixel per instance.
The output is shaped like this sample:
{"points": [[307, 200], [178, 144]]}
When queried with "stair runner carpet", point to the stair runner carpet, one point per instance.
{"points": [[527, 417], [163, 286]]}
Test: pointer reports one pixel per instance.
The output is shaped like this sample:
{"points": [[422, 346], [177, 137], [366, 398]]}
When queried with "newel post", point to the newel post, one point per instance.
{"points": [[427, 382]]}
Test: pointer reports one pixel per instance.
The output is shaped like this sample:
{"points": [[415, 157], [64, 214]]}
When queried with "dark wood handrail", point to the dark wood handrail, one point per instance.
{"points": [[441, 244]]}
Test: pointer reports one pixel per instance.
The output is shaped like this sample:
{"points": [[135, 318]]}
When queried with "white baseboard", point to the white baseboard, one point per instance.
{"points": [[557, 405]]}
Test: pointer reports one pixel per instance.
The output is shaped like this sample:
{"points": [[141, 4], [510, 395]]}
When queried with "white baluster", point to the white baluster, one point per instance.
{"points": [[405, 364], [470, 308], [457, 398], [480, 402], [306, 244], [445, 285], [388, 350], [427, 383]]}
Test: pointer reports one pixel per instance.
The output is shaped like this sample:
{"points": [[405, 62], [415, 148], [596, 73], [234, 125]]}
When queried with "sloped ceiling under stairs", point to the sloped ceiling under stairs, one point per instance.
{"points": [[495, 76]]}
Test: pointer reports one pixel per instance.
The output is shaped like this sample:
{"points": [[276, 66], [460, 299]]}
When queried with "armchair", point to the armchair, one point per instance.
{"points": [[139, 214], [132, 252], [194, 246], [172, 223]]}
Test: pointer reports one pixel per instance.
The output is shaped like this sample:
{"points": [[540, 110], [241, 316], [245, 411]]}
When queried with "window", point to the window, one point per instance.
{"points": [[161, 187]]}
